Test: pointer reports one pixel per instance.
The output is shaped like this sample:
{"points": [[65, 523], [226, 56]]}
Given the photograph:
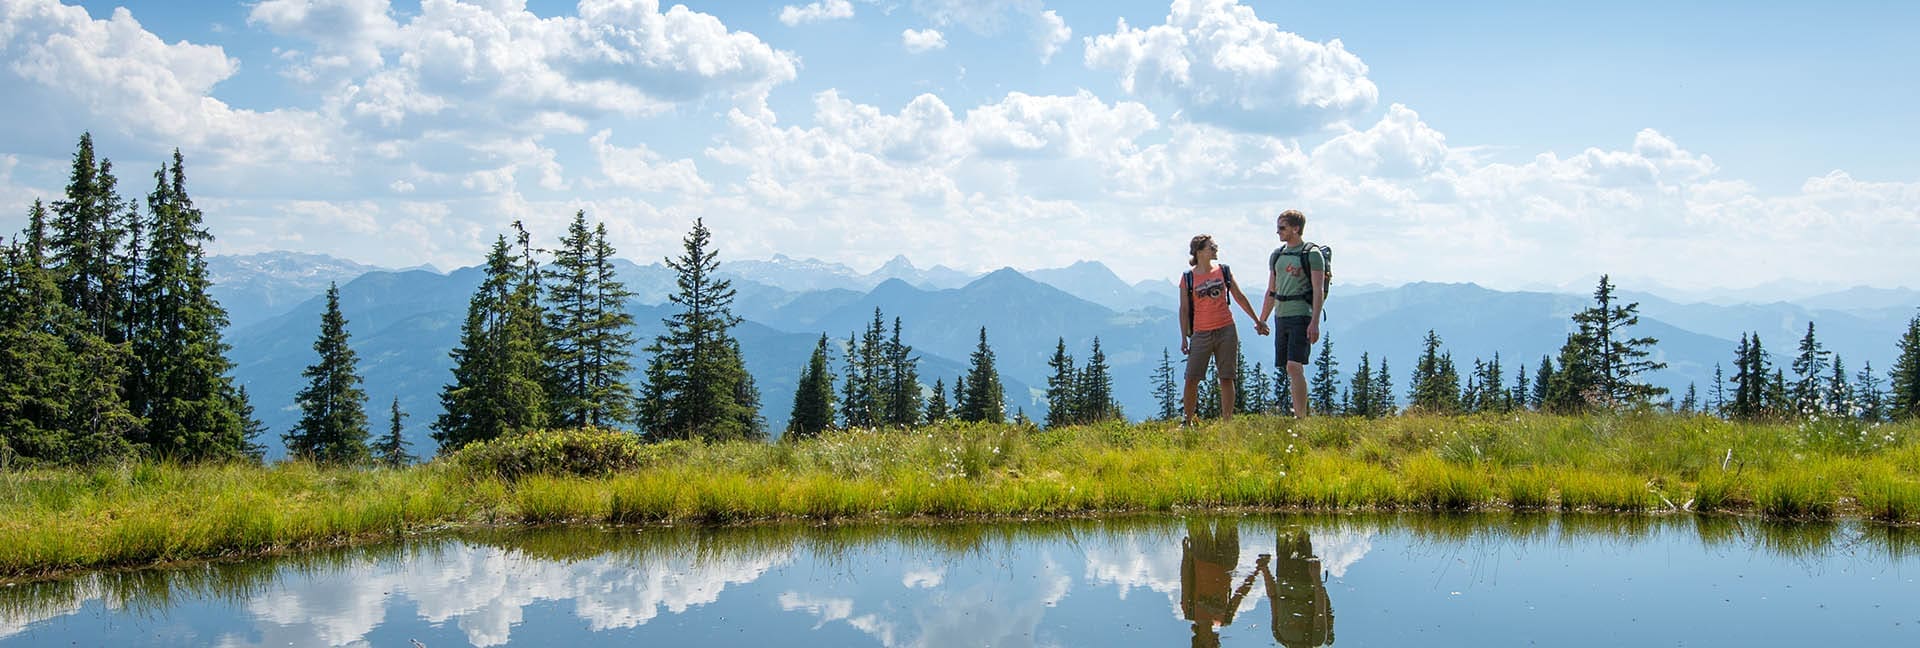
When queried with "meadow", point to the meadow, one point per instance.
{"points": [[54, 521]]}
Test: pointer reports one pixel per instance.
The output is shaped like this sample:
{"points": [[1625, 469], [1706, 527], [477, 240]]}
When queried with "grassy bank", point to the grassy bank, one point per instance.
{"points": [[58, 520]]}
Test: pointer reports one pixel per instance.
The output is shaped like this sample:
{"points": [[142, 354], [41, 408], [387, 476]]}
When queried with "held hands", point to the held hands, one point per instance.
{"points": [[1260, 327]]}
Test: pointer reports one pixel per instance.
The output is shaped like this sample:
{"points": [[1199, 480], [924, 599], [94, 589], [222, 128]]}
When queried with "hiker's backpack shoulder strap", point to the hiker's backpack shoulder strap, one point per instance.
{"points": [[1186, 294], [1226, 273]]}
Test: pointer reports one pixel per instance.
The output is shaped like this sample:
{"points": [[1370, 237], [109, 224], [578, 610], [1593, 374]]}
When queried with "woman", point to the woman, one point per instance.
{"points": [[1206, 323]]}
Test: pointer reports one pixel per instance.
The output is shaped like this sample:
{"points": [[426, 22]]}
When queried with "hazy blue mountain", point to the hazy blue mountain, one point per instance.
{"points": [[797, 275], [1867, 299], [253, 287], [1094, 282]]}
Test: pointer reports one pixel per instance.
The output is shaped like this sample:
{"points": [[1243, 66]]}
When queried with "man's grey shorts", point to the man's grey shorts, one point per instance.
{"points": [[1219, 344]]}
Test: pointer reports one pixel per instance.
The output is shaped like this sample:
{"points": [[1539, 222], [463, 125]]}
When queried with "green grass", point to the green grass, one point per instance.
{"points": [[54, 520]]}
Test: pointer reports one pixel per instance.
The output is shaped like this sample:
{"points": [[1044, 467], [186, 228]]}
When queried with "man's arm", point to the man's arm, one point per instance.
{"points": [[1319, 299], [1259, 323], [1266, 305]]}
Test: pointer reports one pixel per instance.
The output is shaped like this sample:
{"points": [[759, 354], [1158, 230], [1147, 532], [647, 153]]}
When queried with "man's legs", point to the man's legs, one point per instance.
{"points": [[1297, 384]]}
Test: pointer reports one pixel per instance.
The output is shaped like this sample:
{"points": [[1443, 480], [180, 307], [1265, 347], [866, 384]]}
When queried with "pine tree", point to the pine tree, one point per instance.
{"points": [[1779, 398], [873, 374], [590, 339], [1061, 387], [1282, 391], [1384, 402], [937, 411], [1326, 378], [60, 384], [856, 402], [959, 396], [903, 375], [499, 377], [746, 394], [251, 429], [1872, 398], [1208, 405], [1521, 390], [1617, 359], [333, 417], [182, 381], [1432, 390], [1576, 383], [1690, 402], [1164, 390], [1839, 399], [1360, 390], [1719, 393], [1746, 395], [392, 451], [1808, 368], [706, 381], [1542, 381], [1903, 401], [813, 398], [1093, 400], [1256, 394], [985, 398], [89, 230], [1495, 396]]}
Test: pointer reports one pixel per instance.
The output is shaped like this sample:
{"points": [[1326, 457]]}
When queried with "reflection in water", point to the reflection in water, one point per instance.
{"points": [[1049, 583], [1302, 613]]}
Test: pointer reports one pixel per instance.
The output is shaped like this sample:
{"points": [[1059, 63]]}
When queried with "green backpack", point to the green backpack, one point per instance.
{"points": [[1326, 257]]}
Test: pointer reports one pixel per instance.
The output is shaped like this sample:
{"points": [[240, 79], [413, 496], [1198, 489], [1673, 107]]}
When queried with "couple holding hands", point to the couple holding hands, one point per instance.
{"points": [[1296, 284]]}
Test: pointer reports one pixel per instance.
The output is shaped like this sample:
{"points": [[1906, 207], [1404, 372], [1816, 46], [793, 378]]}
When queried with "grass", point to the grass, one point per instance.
{"points": [[56, 520]]}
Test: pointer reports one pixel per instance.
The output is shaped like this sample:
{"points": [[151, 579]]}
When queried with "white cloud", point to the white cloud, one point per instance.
{"points": [[922, 40], [1222, 64], [1399, 146], [816, 12], [991, 17], [68, 72], [642, 169]]}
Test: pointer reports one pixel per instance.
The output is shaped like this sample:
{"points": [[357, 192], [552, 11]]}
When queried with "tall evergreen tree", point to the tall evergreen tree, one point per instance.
{"points": [[1839, 399], [813, 399], [1326, 378], [391, 451], [251, 429], [1282, 391], [1904, 400], [1384, 402], [1492, 381], [182, 372], [746, 395], [937, 410], [333, 416], [1617, 359], [856, 401], [1093, 398], [1062, 387], [874, 370], [1746, 393], [1256, 395], [706, 381], [1691, 401], [1779, 397], [1165, 393], [590, 339], [986, 400], [499, 376], [1521, 390], [903, 382], [60, 383], [1872, 398], [1718, 405], [1433, 390], [1208, 403], [959, 397], [1808, 369], [1360, 390], [1542, 381], [86, 246], [1576, 385]]}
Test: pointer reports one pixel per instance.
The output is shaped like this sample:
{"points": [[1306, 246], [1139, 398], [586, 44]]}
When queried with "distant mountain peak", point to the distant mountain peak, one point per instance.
{"points": [[898, 263]]}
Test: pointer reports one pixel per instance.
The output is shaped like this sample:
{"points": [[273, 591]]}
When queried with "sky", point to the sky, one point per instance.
{"points": [[1695, 145]]}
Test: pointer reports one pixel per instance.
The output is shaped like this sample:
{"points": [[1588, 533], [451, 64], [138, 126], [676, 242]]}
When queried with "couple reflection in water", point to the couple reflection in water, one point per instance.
{"points": [[1296, 591]]}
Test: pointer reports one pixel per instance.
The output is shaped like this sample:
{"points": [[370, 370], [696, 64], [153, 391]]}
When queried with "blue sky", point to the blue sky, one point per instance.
{"points": [[1511, 144]]}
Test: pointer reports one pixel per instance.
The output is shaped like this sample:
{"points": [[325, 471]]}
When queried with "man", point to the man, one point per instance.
{"points": [[1297, 283]]}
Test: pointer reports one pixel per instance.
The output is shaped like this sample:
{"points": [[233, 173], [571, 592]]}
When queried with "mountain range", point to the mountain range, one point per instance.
{"points": [[403, 323]]}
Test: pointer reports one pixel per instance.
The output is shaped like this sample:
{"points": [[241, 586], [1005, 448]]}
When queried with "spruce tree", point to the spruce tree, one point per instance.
{"points": [[1165, 393], [706, 387], [392, 450], [89, 232], [1542, 381], [1616, 359], [1872, 398], [874, 371], [1256, 394], [1326, 378], [1061, 387], [251, 429], [856, 403], [1496, 398], [813, 398], [1576, 385], [1808, 369], [903, 387], [499, 375], [1282, 391], [1746, 396], [985, 397], [1208, 405], [590, 339], [60, 391], [1719, 394], [182, 378], [1839, 399], [959, 396], [937, 410], [1360, 390], [1093, 400], [333, 417], [1903, 401], [1434, 389], [1779, 397], [1691, 401], [1521, 390], [1384, 402]]}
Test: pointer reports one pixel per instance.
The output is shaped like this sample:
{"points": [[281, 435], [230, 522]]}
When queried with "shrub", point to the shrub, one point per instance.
{"points": [[585, 453]]}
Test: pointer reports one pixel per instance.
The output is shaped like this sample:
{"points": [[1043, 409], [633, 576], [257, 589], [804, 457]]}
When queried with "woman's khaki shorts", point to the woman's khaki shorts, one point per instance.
{"points": [[1219, 344]]}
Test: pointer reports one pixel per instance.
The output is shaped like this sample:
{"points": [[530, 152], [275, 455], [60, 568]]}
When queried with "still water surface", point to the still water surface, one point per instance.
{"points": [[1163, 581]]}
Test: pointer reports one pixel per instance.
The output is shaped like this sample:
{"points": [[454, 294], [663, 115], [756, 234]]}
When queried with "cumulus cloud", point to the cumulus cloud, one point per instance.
{"points": [[816, 12], [992, 17], [69, 72], [1222, 64], [641, 169], [922, 40], [1399, 146]]}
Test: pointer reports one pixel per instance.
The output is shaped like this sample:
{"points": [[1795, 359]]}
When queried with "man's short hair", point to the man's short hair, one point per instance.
{"points": [[1295, 218]]}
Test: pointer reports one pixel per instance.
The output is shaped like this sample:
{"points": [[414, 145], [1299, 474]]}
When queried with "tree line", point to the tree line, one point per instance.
{"points": [[1599, 366]]}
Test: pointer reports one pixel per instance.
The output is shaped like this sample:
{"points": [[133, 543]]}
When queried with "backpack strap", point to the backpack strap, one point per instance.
{"points": [[1305, 268], [1186, 293]]}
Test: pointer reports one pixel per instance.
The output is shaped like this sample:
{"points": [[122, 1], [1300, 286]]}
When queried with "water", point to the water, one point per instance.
{"points": [[1233, 581]]}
